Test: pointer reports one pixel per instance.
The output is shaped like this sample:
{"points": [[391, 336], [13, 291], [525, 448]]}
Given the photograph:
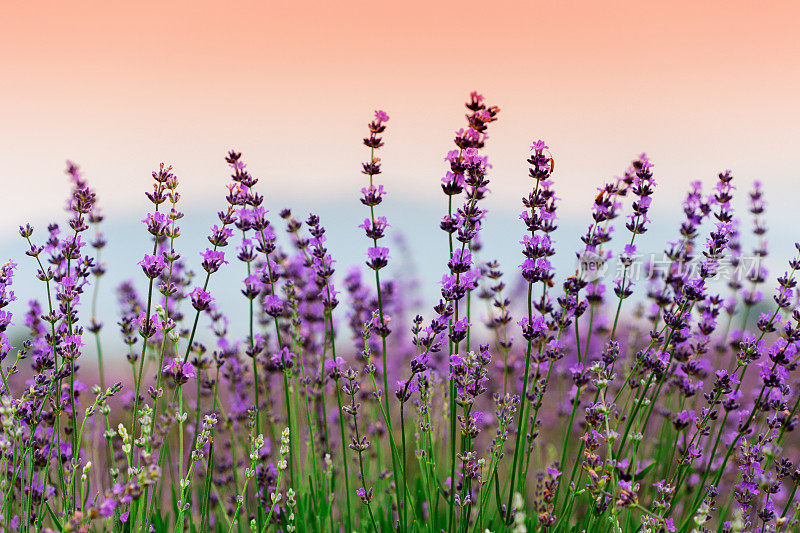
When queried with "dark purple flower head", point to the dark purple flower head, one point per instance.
{"points": [[452, 183], [179, 371], [372, 195], [458, 331], [253, 285], [365, 495], [212, 260], [683, 419], [579, 376], [273, 305], [201, 299], [219, 235], [374, 229], [283, 360], [333, 368], [153, 265], [537, 270], [26, 231], [378, 257], [147, 326], [156, 223], [455, 287], [460, 262], [71, 346], [533, 328]]}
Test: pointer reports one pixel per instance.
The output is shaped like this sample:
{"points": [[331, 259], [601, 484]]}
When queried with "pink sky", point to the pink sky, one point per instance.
{"points": [[700, 86]]}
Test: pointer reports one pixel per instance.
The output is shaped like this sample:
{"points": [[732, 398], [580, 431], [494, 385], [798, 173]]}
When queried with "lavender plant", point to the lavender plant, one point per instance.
{"points": [[670, 406]]}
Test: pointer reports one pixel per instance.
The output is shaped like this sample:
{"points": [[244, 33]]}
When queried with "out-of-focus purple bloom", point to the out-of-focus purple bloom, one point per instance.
{"points": [[283, 360]]}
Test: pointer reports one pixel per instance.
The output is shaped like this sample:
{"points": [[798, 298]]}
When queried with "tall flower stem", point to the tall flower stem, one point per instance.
{"points": [[174, 215], [522, 411], [56, 436], [372, 168], [520, 418]]}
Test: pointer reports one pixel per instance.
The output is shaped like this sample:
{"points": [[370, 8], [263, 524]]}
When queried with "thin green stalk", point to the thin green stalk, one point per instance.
{"points": [[404, 457], [361, 463], [789, 501], [56, 437], [521, 408], [344, 455]]}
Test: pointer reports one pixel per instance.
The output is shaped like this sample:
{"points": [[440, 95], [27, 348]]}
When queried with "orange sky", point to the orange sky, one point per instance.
{"points": [[700, 86]]}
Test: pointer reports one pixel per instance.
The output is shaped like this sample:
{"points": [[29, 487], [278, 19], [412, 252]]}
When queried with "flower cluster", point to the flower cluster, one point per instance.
{"points": [[669, 405]]}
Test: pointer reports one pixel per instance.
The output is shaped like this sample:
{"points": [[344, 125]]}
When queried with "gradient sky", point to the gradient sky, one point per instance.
{"points": [[700, 86]]}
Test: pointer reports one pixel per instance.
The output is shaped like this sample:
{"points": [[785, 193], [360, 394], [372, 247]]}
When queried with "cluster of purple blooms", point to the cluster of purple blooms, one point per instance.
{"points": [[534, 401]]}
